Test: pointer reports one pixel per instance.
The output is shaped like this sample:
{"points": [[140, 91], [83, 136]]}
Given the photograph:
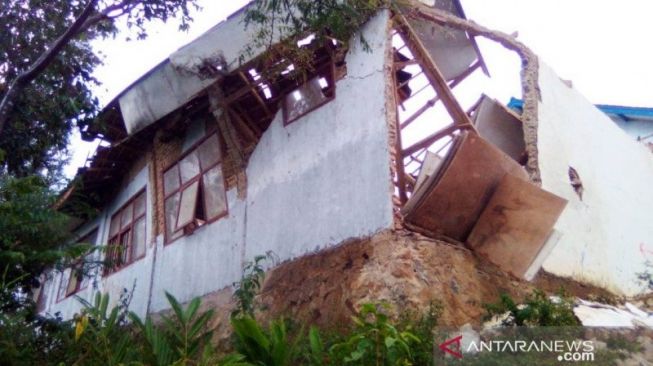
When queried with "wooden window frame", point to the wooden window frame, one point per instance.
{"points": [[114, 240], [328, 72], [196, 179], [80, 285]]}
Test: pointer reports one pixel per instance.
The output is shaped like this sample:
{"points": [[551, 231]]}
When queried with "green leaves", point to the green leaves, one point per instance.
{"points": [[49, 88], [375, 340], [260, 347], [537, 310], [246, 289], [182, 339], [31, 232]]}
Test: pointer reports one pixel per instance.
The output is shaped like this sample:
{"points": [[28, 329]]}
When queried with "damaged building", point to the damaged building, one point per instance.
{"points": [[208, 161]]}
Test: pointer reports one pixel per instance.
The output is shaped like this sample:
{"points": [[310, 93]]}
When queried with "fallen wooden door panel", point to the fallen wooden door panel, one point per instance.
{"points": [[515, 224], [500, 126], [450, 201]]}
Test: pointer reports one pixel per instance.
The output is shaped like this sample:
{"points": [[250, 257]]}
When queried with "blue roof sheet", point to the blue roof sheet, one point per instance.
{"points": [[615, 110]]}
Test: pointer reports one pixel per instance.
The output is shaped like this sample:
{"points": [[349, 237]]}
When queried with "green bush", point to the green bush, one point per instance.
{"points": [[536, 309], [375, 340]]}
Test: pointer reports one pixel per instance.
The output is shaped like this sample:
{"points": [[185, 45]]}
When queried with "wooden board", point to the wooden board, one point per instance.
{"points": [[432, 163], [497, 124], [451, 200], [515, 225]]}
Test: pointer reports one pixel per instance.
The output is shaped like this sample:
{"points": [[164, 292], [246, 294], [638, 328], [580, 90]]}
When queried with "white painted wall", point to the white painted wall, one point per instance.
{"points": [[325, 177], [206, 261], [608, 236], [320, 180]]}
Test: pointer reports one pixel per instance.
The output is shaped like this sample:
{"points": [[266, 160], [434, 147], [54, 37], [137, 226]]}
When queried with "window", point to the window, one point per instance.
{"points": [[127, 234], [311, 95], [194, 189], [73, 279], [38, 294]]}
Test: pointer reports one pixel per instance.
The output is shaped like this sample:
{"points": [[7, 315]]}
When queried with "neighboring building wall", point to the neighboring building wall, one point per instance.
{"points": [[636, 129], [607, 236]]}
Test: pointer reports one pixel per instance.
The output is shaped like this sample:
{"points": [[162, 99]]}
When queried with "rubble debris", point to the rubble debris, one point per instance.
{"points": [[595, 314]]}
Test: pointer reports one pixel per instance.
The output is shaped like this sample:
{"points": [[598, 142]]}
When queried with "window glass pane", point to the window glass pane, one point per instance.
{"points": [[304, 99], [214, 194], [63, 285], [171, 208], [124, 247], [189, 167], [209, 151], [171, 180], [90, 238], [127, 215], [42, 297], [187, 206], [72, 283], [139, 205], [115, 225], [36, 291], [138, 245], [112, 255], [86, 279]]}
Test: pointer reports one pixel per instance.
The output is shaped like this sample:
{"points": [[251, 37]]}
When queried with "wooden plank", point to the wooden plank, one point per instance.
{"points": [[430, 103], [399, 157], [500, 126], [254, 92], [515, 224], [434, 75], [450, 201], [227, 130], [429, 140], [245, 129]]}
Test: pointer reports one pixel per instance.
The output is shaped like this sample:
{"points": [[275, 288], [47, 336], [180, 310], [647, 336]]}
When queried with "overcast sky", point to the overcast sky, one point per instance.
{"points": [[602, 46]]}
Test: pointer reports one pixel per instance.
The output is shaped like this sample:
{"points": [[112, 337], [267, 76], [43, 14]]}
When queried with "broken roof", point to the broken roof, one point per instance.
{"points": [[128, 121]]}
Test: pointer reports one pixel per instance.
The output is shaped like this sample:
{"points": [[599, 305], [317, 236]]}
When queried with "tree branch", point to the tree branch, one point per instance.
{"points": [[27, 76]]}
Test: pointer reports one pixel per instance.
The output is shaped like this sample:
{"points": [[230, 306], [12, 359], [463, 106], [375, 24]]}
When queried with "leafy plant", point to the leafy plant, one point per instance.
{"points": [[537, 309], [271, 347], [375, 340], [317, 355], [246, 289], [101, 335], [422, 325], [182, 339]]}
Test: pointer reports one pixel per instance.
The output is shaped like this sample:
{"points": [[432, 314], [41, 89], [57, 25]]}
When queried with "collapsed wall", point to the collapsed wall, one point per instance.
{"points": [[577, 153]]}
